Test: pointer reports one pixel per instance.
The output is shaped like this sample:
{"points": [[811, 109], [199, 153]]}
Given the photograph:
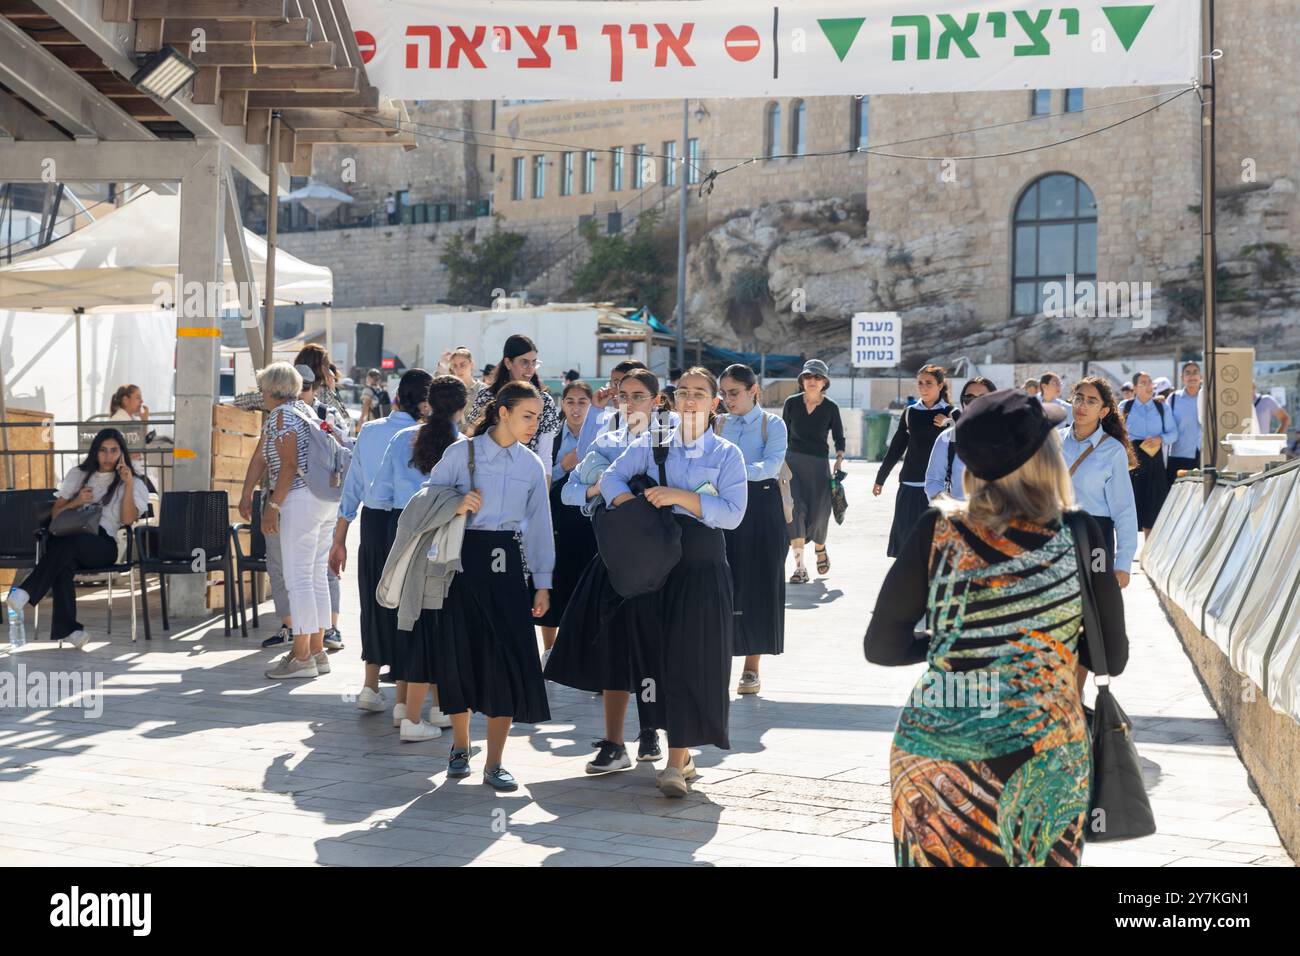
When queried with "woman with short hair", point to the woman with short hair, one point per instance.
{"points": [[995, 770]]}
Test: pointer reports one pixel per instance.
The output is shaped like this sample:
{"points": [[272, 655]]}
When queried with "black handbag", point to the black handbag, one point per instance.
{"points": [[839, 502], [83, 519], [1119, 808], [639, 543]]}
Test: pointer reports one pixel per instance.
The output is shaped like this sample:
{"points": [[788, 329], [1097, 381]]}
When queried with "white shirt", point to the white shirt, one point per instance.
{"points": [[111, 517]]}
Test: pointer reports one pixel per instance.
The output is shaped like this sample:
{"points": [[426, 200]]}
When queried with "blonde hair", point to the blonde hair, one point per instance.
{"points": [[280, 380], [1037, 492]]}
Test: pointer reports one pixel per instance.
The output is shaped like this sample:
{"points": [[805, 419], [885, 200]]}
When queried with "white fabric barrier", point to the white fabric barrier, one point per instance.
{"points": [[1163, 542]]}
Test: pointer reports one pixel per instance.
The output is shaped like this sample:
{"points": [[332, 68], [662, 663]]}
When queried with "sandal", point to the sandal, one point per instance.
{"points": [[823, 559], [800, 576]]}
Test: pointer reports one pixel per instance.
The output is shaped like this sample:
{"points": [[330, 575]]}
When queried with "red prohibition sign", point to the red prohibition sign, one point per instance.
{"points": [[366, 45], [742, 43]]}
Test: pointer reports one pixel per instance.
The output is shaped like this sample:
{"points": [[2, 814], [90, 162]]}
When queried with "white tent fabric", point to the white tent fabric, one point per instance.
{"points": [[113, 265]]}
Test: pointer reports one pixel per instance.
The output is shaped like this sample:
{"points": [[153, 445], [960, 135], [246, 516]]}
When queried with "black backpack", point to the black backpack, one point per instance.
{"points": [[1127, 406], [653, 534], [382, 404]]}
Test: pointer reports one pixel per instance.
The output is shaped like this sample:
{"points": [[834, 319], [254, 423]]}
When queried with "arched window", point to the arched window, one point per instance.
{"points": [[772, 130], [798, 124], [1054, 235]]}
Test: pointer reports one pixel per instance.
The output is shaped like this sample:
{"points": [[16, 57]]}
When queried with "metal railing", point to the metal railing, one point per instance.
{"points": [[45, 467]]}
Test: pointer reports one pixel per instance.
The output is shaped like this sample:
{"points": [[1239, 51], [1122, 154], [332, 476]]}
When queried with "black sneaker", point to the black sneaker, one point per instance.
{"points": [[648, 745], [611, 756], [279, 637]]}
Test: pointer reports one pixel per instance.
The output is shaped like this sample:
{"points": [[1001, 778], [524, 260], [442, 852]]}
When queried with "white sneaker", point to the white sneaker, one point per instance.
{"points": [[78, 639], [371, 700], [289, 667], [414, 733], [322, 663], [749, 683], [438, 718], [18, 598], [399, 714]]}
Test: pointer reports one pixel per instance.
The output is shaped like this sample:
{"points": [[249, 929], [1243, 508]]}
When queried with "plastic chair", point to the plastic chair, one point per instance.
{"points": [[254, 562], [192, 526], [26, 512]]}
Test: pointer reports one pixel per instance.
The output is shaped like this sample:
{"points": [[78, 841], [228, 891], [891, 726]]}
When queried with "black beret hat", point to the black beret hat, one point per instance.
{"points": [[999, 432]]}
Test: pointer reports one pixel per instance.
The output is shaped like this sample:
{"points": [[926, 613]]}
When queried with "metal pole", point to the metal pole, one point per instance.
{"points": [[272, 222], [681, 237], [1209, 257], [329, 330], [78, 327], [4, 432]]}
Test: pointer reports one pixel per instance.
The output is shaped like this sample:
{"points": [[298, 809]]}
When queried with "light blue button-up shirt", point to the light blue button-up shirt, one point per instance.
{"points": [[367, 454], [936, 472], [568, 443], [707, 460], [515, 497], [608, 444], [597, 421], [1188, 423], [762, 461], [1144, 419], [1103, 489], [398, 480], [1063, 405]]}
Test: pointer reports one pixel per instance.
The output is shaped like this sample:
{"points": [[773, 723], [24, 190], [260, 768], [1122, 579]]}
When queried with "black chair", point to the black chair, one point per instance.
{"points": [[188, 521], [253, 563], [25, 512], [103, 576]]}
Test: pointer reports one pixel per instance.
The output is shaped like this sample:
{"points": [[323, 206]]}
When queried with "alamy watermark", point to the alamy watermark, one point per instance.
{"points": [[1088, 299], [976, 689], [41, 690]]}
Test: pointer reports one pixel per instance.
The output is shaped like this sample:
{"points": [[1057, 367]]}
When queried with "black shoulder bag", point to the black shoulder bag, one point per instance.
{"points": [[639, 543], [1119, 809]]}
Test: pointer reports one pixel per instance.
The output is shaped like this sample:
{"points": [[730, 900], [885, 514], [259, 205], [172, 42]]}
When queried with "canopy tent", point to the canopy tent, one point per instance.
{"points": [[114, 264]]}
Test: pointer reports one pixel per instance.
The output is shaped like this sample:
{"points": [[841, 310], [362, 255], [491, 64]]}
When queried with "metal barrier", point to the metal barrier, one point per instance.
{"points": [[1232, 564], [45, 467]]}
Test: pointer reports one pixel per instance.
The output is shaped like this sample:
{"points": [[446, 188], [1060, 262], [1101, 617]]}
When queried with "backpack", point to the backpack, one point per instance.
{"points": [[639, 543], [382, 404], [783, 476], [327, 459], [1127, 406]]}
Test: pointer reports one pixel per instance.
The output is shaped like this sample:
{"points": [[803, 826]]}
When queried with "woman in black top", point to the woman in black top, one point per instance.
{"points": [[917, 430], [808, 416]]}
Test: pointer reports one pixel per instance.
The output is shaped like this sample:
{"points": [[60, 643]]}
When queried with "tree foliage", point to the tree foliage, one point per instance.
{"points": [[475, 269], [630, 269]]}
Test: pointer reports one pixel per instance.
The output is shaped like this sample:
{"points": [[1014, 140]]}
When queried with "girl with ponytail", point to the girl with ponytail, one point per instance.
{"points": [[1100, 457]]}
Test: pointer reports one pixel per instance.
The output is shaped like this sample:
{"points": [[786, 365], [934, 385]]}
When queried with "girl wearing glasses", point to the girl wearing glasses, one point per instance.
{"points": [[944, 473], [687, 658], [519, 363], [593, 650], [918, 429]]}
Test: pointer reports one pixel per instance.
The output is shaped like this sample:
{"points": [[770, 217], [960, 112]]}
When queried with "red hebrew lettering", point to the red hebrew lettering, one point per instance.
{"points": [[502, 36], [668, 40], [615, 34], [540, 60], [641, 33], [463, 44], [434, 36], [570, 34]]}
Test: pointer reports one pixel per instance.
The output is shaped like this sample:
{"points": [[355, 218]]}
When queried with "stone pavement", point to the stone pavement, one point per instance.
{"points": [[198, 760]]}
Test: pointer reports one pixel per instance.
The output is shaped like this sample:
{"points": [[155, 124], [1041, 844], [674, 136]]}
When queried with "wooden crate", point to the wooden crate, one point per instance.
{"points": [[235, 435], [36, 471]]}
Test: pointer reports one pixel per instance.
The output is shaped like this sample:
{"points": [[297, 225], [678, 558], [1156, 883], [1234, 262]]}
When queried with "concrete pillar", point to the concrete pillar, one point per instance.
{"points": [[198, 344]]}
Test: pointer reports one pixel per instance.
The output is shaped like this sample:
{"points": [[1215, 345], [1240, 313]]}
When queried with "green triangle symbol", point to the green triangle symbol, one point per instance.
{"points": [[843, 32], [1128, 21]]}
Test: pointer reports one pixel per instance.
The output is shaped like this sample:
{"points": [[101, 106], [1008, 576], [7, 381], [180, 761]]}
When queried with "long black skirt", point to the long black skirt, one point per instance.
{"points": [[756, 553], [1150, 486], [486, 657], [687, 657], [575, 543], [378, 623], [593, 648], [909, 505], [810, 487], [418, 649]]}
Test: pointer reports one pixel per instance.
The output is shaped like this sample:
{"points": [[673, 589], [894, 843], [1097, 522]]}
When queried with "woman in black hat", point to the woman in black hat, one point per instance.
{"points": [[809, 415], [918, 429], [991, 759]]}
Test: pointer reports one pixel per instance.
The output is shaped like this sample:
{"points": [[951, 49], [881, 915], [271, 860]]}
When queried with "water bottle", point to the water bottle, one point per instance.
{"points": [[17, 630]]}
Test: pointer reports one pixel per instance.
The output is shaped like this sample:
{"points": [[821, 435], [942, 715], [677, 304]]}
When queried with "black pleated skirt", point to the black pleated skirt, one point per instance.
{"points": [[909, 505], [418, 649], [810, 487], [756, 554], [593, 648], [575, 543], [486, 648], [1150, 486], [687, 656], [378, 623]]}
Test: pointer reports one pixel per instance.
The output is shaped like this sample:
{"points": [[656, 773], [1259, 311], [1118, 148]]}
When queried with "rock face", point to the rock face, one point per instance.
{"points": [[788, 276]]}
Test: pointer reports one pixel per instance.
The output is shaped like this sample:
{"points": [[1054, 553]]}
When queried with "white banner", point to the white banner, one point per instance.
{"points": [[577, 49], [877, 340]]}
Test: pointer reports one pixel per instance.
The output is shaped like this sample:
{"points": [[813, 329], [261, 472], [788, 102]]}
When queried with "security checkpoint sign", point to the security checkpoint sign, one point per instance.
{"points": [[583, 50], [877, 340]]}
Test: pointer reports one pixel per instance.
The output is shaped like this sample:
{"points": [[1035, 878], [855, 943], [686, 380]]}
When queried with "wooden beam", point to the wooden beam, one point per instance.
{"points": [[275, 57], [56, 36], [148, 36], [234, 107], [302, 156], [211, 9], [303, 119], [144, 109], [357, 137], [257, 127], [79, 58], [304, 80], [116, 11], [361, 101], [295, 30], [207, 84]]}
